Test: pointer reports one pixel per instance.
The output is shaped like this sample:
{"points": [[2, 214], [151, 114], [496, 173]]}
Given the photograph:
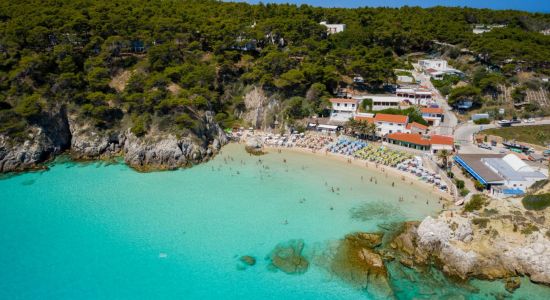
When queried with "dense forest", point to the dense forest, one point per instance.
{"points": [[188, 57]]}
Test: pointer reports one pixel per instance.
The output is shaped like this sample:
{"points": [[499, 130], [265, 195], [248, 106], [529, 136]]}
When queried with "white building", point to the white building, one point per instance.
{"points": [[416, 96], [480, 28], [436, 64], [386, 124], [504, 175], [433, 115], [343, 109], [333, 28]]}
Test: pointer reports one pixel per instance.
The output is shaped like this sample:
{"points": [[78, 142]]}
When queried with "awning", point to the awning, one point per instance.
{"points": [[328, 127]]}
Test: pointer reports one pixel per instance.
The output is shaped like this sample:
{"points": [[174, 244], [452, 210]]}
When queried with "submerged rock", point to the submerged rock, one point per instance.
{"points": [[355, 261], [512, 284], [288, 257], [247, 259]]}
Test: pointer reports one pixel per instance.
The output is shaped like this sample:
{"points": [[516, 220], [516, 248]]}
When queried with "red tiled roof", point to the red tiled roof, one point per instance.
{"points": [[417, 125], [442, 140], [391, 118], [431, 70], [418, 139], [343, 100], [432, 110], [363, 118]]}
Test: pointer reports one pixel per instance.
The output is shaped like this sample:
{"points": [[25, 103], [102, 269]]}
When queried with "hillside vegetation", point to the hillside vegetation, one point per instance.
{"points": [[182, 58]]}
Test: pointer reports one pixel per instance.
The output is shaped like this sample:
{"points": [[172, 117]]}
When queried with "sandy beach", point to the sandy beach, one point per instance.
{"points": [[385, 170]]}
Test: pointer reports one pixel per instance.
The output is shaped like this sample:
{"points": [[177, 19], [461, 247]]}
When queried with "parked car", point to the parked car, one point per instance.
{"points": [[529, 121], [546, 153], [485, 146], [504, 123]]}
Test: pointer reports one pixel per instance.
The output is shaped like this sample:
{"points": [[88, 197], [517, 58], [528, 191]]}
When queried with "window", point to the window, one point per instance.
{"points": [[353, 105], [391, 124], [337, 104], [345, 105]]}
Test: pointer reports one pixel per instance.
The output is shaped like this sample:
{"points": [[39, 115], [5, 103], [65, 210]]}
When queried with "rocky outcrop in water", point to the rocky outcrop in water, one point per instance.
{"points": [[288, 257], [355, 261], [58, 132], [500, 242]]}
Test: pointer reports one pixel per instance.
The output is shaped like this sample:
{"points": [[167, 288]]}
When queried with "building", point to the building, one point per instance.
{"points": [[333, 28], [380, 102], [415, 96], [503, 175], [416, 128], [435, 64], [386, 124], [432, 143], [438, 68], [433, 115], [343, 109], [481, 28], [361, 117]]}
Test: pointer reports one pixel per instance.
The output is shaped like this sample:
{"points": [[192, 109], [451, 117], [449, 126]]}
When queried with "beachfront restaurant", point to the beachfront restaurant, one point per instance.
{"points": [[503, 175], [432, 143]]}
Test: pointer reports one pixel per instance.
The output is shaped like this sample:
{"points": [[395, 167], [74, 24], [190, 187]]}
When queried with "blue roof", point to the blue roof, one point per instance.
{"points": [[513, 192]]}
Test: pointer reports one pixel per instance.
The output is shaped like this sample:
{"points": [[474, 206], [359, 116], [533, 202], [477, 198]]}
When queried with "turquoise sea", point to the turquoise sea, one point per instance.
{"points": [[105, 231]]}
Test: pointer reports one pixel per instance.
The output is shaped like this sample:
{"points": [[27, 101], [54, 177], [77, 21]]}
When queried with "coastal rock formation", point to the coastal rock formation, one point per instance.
{"points": [[58, 132], [499, 242], [260, 109], [512, 284], [356, 262], [89, 143], [47, 137], [288, 257]]}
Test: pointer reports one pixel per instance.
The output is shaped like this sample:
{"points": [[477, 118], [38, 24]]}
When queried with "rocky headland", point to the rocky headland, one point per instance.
{"points": [[58, 132], [499, 241]]}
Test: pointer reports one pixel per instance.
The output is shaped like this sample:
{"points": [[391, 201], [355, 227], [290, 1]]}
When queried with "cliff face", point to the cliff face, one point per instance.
{"points": [[49, 136], [157, 151], [500, 242], [261, 110]]}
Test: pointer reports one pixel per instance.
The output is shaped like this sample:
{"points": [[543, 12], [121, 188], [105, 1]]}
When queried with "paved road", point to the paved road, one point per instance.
{"points": [[450, 120], [464, 135]]}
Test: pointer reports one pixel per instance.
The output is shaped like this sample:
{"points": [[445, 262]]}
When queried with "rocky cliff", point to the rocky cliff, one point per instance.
{"points": [[48, 136], [501, 241], [261, 110], [156, 151]]}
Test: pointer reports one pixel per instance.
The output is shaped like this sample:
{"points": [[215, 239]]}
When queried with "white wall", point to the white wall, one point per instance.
{"points": [[383, 128]]}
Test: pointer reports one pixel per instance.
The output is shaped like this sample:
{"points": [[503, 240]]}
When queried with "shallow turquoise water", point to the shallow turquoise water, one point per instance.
{"points": [[91, 231]]}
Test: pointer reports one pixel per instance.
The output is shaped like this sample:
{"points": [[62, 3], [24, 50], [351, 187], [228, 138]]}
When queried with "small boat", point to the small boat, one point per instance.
{"points": [[459, 202], [163, 255]]}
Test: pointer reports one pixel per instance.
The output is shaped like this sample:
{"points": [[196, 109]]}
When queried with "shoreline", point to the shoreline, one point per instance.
{"points": [[384, 170]]}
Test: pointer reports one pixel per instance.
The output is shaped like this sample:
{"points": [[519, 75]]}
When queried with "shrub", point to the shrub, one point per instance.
{"points": [[481, 222], [536, 202], [476, 203], [459, 183], [463, 192], [530, 228], [482, 121], [479, 186]]}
